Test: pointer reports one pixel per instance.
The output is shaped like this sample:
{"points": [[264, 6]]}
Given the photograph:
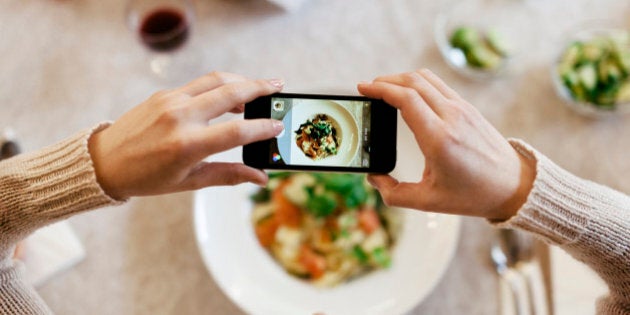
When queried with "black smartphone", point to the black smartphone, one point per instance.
{"points": [[325, 133]]}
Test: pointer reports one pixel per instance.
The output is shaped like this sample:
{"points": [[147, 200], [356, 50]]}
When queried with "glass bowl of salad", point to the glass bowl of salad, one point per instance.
{"points": [[481, 39], [592, 70]]}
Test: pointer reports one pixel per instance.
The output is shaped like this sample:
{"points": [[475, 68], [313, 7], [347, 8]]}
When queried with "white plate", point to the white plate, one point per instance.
{"points": [[258, 285], [347, 129], [255, 282]]}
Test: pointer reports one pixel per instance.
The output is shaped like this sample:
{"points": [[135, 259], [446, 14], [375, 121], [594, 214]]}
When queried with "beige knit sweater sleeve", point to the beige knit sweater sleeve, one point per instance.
{"points": [[589, 221], [37, 189]]}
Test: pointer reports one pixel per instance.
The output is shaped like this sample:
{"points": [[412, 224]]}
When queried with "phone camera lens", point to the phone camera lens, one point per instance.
{"points": [[278, 106]]}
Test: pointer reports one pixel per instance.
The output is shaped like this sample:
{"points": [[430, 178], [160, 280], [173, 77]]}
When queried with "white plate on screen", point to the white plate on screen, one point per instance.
{"points": [[345, 123], [258, 285]]}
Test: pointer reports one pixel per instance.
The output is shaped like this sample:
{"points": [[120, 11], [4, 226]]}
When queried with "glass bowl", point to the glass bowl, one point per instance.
{"points": [[588, 73], [489, 19]]}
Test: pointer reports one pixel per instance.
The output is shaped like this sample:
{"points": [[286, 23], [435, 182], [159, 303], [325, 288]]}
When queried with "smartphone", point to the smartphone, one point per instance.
{"points": [[325, 133]]}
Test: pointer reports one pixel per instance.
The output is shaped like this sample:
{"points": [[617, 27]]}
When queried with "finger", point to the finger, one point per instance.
{"points": [[220, 173], [439, 84], [381, 181], [209, 82], [238, 109], [227, 135], [222, 99], [413, 108], [430, 94], [395, 193]]}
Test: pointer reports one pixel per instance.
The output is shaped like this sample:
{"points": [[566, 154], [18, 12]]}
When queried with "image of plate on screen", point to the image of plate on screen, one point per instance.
{"points": [[323, 132]]}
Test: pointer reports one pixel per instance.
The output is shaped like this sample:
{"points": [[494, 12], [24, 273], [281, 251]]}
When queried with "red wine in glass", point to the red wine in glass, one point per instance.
{"points": [[164, 29]]}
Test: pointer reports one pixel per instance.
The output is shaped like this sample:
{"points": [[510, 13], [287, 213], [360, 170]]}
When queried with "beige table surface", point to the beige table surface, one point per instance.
{"points": [[68, 64]]}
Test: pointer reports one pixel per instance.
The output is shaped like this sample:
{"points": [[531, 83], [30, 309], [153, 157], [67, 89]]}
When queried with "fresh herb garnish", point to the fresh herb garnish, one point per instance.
{"points": [[381, 257]]}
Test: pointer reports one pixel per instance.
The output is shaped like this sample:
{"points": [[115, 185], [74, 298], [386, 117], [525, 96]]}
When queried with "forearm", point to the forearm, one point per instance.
{"points": [[589, 221], [45, 186]]}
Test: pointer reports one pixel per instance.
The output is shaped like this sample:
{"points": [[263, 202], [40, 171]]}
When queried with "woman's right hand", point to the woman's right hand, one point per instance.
{"points": [[470, 168]]}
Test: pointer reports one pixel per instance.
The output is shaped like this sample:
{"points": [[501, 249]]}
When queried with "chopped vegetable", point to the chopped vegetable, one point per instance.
{"points": [[350, 187], [381, 257], [324, 228], [314, 263], [261, 196], [498, 43], [368, 220], [465, 38], [318, 137], [361, 256], [322, 205], [286, 212], [266, 231]]}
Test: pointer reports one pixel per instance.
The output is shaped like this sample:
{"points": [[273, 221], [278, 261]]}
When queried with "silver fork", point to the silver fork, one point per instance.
{"points": [[514, 258]]}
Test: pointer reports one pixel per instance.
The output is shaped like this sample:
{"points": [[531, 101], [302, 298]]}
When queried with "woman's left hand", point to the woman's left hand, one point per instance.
{"points": [[159, 146]]}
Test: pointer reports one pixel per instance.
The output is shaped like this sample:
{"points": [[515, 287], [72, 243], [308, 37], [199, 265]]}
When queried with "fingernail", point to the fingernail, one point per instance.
{"points": [[279, 83], [262, 182], [278, 126], [364, 82]]}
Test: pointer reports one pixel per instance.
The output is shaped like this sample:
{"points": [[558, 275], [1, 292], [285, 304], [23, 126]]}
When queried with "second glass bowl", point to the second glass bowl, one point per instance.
{"points": [[467, 34], [591, 71]]}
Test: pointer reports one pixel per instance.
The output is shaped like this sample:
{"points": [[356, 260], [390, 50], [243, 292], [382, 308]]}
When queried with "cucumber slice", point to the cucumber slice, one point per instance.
{"points": [[609, 72], [623, 95], [497, 42], [483, 57], [572, 55], [592, 52], [572, 81], [465, 38], [570, 78], [623, 60], [588, 76]]}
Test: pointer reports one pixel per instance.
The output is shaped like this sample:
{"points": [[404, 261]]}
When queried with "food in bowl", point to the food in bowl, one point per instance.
{"points": [[325, 228], [482, 50], [597, 70], [319, 137]]}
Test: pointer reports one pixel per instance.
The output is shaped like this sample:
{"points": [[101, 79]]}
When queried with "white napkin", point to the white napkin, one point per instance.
{"points": [[50, 250], [575, 286], [288, 5]]}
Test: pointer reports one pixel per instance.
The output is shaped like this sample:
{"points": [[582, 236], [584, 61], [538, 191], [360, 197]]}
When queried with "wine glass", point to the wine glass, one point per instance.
{"points": [[163, 27]]}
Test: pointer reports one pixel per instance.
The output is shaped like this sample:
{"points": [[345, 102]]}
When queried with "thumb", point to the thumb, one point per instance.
{"points": [[386, 186], [382, 182], [395, 193]]}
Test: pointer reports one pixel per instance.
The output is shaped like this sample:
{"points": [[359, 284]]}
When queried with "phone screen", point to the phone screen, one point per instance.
{"points": [[321, 132]]}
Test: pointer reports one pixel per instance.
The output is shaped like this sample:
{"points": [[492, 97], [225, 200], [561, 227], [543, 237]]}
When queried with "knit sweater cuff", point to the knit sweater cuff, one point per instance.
{"points": [[561, 207], [587, 220], [17, 296], [50, 184]]}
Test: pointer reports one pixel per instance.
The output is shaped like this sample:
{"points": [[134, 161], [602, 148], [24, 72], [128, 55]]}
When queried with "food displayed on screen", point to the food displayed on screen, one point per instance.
{"points": [[324, 228], [323, 132], [318, 138]]}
